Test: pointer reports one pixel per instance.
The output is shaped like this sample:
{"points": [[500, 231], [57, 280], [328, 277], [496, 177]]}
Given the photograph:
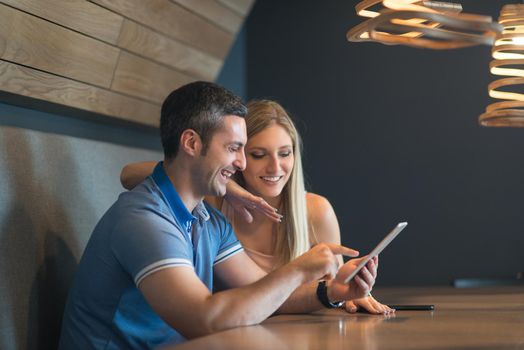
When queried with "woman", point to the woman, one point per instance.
{"points": [[273, 176]]}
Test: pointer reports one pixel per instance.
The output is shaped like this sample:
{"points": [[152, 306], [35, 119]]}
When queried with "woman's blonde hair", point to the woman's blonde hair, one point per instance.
{"points": [[293, 233]]}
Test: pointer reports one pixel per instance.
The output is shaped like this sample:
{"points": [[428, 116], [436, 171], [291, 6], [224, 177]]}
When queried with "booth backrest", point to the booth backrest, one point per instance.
{"points": [[53, 190]]}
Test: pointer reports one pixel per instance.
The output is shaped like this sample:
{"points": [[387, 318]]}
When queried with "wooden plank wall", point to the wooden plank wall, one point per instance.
{"points": [[118, 58]]}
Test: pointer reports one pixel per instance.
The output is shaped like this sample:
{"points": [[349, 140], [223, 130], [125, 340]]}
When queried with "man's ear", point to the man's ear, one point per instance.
{"points": [[191, 142]]}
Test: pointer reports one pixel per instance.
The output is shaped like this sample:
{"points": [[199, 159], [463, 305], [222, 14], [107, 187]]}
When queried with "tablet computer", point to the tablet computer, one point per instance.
{"points": [[378, 249]]}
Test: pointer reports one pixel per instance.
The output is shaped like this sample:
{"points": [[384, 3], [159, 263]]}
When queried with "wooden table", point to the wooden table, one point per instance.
{"points": [[472, 319]]}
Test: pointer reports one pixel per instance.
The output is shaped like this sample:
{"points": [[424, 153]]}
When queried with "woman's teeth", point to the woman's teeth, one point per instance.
{"points": [[271, 178]]}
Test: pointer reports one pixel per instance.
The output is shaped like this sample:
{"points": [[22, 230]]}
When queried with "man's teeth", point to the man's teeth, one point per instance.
{"points": [[226, 173], [271, 178]]}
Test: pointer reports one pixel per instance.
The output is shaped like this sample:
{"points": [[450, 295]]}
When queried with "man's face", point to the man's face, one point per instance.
{"points": [[224, 156]]}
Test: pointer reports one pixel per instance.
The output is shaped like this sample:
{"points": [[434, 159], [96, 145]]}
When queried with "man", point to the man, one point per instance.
{"points": [[146, 274]]}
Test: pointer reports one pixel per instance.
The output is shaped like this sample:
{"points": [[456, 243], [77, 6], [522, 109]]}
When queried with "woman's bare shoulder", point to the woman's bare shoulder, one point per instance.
{"points": [[317, 205], [322, 218]]}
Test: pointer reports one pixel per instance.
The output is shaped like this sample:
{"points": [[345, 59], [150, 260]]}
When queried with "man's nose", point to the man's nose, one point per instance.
{"points": [[240, 162]]}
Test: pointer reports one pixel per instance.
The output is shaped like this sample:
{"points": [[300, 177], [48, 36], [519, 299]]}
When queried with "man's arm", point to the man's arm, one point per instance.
{"points": [[240, 270], [304, 298], [184, 302]]}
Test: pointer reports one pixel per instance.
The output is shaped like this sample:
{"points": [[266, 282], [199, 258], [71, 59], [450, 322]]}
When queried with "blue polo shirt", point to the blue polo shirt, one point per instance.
{"points": [[148, 229]]}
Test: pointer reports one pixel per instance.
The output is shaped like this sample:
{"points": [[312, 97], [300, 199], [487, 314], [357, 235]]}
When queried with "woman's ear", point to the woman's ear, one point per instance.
{"points": [[191, 142]]}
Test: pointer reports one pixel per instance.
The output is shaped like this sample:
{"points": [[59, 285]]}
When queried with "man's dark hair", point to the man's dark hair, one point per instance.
{"points": [[200, 106]]}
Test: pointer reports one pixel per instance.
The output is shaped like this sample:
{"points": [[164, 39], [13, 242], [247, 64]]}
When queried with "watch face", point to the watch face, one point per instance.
{"points": [[338, 303]]}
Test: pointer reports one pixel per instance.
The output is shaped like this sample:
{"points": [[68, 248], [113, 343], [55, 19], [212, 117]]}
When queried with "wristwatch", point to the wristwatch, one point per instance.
{"points": [[323, 297]]}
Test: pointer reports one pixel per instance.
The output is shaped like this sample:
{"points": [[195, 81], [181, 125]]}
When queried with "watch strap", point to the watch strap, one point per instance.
{"points": [[323, 297]]}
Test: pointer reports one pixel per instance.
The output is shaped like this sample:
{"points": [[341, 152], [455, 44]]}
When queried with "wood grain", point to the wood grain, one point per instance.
{"points": [[138, 77], [478, 318], [160, 48], [241, 7], [221, 15], [113, 57], [79, 15], [174, 21], [31, 41], [32, 83]]}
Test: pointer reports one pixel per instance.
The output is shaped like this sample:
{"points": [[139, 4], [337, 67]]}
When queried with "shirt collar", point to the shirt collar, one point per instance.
{"points": [[182, 215], [201, 211]]}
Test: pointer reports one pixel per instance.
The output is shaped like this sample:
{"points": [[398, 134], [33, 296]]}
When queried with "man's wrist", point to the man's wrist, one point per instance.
{"points": [[299, 274], [323, 295], [330, 291]]}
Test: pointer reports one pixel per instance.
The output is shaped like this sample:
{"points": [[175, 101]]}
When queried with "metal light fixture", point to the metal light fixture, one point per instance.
{"points": [[424, 24], [508, 61]]}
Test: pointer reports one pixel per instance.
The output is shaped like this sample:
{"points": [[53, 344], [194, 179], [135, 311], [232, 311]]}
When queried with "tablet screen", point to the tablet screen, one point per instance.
{"points": [[379, 248]]}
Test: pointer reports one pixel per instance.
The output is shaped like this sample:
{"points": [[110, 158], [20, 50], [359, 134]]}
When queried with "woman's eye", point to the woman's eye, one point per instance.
{"points": [[257, 155], [285, 154]]}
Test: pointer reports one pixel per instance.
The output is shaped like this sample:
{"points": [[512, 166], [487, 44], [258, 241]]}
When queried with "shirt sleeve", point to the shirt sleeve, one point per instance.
{"points": [[145, 243], [229, 244]]}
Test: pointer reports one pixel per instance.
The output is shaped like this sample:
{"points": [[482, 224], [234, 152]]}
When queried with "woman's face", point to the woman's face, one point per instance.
{"points": [[270, 159]]}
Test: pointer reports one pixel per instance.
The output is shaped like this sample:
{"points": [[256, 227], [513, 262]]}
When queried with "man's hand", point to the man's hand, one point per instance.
{"points": [[320, 261], [359, 287], [244, 202]]}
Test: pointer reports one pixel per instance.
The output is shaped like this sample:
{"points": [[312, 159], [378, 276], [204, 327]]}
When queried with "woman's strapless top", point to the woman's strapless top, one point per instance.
{"points": [[266, 262]]}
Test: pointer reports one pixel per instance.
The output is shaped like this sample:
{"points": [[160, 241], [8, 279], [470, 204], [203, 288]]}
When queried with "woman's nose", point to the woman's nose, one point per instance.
{"points": [[273, 165]]}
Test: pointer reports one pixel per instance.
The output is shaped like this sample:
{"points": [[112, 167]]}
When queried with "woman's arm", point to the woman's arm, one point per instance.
{"points": [[244, 202], [240, 199], [134, 173], [324, 228]]}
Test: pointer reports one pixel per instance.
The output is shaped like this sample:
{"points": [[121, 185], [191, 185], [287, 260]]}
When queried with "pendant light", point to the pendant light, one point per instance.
{"points": [[424, 24], [508, 62]]}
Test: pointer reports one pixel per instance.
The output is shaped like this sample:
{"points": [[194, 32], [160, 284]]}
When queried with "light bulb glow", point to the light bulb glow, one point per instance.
{"points": [[508, 55], [419, 23], [519, 40]]}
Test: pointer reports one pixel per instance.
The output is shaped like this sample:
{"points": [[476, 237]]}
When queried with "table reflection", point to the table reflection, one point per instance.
{"points": [[463, 319]]}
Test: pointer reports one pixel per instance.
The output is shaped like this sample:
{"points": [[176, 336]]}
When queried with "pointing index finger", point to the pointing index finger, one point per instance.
{"points": [[339, 249]]}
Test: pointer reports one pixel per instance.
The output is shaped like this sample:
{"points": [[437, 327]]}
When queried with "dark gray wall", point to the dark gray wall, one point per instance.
{"points": [[391, 134], [234, 71]]}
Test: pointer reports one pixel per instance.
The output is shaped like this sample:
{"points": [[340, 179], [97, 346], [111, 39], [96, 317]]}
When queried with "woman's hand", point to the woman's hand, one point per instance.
{"points": [[369, 304], [244, 202]]}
